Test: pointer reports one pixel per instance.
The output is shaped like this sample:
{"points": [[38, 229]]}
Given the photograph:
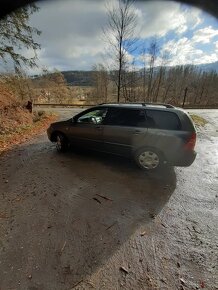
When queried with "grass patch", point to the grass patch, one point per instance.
{"points": [[199, 121]]}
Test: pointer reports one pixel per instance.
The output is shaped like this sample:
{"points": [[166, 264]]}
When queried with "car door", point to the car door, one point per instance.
{"points": [[124, 130], [87, 129], [165, 132]]}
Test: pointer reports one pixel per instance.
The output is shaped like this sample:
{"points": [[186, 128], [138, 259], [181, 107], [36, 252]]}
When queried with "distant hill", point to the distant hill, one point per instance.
{"points": [[78, 78], [209, 66], [206, 67], [84, 78]]}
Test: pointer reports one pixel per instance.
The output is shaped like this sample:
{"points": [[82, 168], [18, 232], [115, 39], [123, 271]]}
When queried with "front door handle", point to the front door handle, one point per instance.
{"points": [[99, 127]]}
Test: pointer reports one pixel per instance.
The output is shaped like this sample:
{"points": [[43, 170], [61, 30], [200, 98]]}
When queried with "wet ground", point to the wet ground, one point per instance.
{"points": [[92, 221]]}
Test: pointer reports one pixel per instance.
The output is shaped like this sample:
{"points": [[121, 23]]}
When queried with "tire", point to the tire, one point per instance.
{"points": [[61, 142], [148, 159]]}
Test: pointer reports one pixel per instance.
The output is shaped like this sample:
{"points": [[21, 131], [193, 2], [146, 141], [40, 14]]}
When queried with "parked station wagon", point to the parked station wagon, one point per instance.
{"points": [[152, 134]]}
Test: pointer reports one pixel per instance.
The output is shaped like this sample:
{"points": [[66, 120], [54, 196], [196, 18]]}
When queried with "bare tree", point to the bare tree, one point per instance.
{"points": [[20, 84], [152, 51], [143, 57], [131, 79], [161, 75], [101, 82], [119, 34], [52, 87]]}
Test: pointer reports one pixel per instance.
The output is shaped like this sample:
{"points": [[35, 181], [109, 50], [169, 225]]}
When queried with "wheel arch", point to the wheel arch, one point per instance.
{"points": [[161, 153], [55, 133]]}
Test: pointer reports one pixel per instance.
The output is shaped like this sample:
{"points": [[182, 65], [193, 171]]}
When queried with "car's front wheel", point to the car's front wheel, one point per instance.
{"points": [[61, 143], [148, 158]]}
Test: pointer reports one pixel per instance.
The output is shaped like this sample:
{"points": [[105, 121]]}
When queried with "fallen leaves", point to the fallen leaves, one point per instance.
{"points": [[24, 133], [202, 284], [3, 216]]}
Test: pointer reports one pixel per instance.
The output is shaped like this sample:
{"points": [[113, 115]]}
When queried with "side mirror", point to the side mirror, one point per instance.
{"points": [[73, 120]]}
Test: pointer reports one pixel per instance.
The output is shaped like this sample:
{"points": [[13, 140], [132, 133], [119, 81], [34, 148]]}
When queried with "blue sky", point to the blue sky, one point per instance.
{"points": [[206, 21], [71, 36], [193, 40]]}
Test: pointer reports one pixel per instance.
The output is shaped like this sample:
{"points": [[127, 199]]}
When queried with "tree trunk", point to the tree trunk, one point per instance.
{"points": [[184, 98]]}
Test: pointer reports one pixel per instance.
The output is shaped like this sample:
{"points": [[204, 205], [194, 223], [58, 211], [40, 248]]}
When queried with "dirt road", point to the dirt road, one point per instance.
{"points": [[92, 221]]}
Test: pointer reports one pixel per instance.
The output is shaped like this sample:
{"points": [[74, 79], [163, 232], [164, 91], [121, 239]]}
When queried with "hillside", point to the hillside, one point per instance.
{"points": [[17, 124], [84, 78], [209, 66], [78, 78], [12, 113]]}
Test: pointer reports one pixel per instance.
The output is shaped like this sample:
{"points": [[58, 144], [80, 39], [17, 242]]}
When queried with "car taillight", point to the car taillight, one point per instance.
{"points": [[190, 144]]}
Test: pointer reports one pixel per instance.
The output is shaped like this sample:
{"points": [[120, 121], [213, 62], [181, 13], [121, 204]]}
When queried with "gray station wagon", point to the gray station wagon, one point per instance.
{"points": [[153, 134]]}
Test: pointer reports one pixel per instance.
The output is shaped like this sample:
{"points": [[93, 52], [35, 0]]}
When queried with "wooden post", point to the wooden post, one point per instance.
{"points": [[184, 98]]}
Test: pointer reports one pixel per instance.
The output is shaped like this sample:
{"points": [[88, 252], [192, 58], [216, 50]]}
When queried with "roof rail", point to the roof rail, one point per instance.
{"points": [[160, 104], [143, 104]]}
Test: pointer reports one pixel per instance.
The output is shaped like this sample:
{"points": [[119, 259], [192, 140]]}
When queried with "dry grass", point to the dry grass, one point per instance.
{"points": [[199, 121]]}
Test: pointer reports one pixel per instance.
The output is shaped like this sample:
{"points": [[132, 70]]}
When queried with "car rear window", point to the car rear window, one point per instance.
{"points": [[162, 120], [126, 117]]}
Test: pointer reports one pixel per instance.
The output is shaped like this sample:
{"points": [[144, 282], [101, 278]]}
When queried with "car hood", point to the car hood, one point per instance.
{"points": [[59, 123]]}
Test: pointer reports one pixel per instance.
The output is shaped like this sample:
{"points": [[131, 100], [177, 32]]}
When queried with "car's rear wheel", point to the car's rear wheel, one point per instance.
{"points": [[148, 158], [61, 142]]}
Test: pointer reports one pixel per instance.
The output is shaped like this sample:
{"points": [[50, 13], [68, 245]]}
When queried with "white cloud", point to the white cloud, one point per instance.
{"points": [[206, 58], [158, 18], [205, 34], [184, 51], [72, 30], [71, 36]]}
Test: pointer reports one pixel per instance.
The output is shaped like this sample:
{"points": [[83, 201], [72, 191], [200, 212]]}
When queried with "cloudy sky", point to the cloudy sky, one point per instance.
{"points": [[71, 36]]}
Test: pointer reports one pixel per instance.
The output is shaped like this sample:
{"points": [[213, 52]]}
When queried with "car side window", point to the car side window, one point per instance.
{"points": [[162, 120], [93, 117], [126, 117]]}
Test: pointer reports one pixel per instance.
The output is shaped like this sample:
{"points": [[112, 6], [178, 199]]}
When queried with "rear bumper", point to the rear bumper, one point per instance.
{"points": [[186, 159]]}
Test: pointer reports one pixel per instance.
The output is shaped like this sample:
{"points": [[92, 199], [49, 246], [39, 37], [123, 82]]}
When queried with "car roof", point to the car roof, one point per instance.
{"points": [[160, 106]]}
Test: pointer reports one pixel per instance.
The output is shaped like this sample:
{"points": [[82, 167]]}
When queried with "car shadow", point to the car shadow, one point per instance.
{"points": [[81, 208]]}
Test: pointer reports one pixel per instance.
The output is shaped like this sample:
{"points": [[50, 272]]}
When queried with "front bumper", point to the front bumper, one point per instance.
{"points": [[49, 132]]}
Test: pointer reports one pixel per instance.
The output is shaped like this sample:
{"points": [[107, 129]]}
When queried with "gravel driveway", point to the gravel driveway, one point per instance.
{"points": [[92, 221]]}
